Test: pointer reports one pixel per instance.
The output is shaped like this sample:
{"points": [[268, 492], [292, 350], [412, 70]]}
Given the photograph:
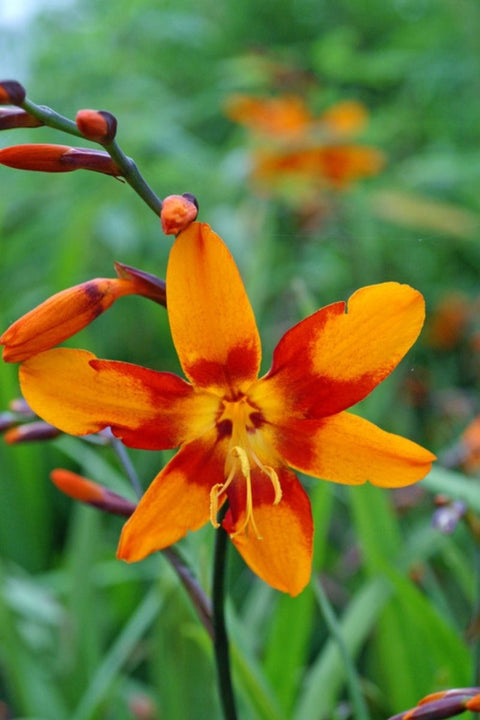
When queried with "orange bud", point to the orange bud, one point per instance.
{"points": [[61, 316], [97, 125], [46, 158], [11, 118], [11, 92], [147, 285], [57, 158], [30, 432], [178, 212], [81, 488]]}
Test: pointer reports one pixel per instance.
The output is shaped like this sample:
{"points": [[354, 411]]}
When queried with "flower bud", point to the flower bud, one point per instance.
{"points": [[30, 432], [81, 488], [11, 92], [147, 285], [57, 158], [178, 211], [62, 316], [11, 118], [97, 125]]}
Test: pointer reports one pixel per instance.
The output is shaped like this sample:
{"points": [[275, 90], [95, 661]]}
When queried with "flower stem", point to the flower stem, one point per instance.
{"points": [[356, 697], [128, 167], [220, 640]]}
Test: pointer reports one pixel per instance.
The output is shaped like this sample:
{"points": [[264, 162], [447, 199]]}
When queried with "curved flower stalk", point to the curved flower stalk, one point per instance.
{"points": [[242, 437]]}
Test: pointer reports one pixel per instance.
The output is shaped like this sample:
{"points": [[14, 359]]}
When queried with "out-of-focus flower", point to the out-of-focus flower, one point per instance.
{"points": [[284, 116], [11, 118], [57, 158], [448, 322], [336, 166], [67, 312], [81, 488], [448, 515], [238, 434], [309, 152], [97, 125], [178, 211]]}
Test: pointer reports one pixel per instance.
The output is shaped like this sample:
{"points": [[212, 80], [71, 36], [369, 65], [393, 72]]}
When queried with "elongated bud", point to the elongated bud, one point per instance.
{"points": [[11, 118], [147, 285], [97, 125], [61, 316], [57, 158], [178, 211], [30, 432], [443, 704], [81, 488], [11, 92]]}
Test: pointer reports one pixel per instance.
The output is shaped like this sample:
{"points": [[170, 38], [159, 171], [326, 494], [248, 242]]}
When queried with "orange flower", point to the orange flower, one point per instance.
{"points": [[336, 165], [239, 434], [279, 116], [67, 312]]}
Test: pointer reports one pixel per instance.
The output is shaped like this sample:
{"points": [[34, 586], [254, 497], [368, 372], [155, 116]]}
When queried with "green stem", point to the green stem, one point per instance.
{"points": [[133, 177], [220, 641], [129, 169], [356, 697]]}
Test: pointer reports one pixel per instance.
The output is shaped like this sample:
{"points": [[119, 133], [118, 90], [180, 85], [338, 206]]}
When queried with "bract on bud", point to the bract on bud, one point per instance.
{"points": [[11, 92], [146, 284], [81, 488], [178, 211], [61, 316], [57, 158], [11, 118], [30, 432], [97, 125]]}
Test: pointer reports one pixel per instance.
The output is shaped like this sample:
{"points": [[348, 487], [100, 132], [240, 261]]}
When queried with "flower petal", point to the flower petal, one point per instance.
{"points": [[178, 500], [282, 555], [334, 358], [79, 394], [347, 449], [212, 322]]}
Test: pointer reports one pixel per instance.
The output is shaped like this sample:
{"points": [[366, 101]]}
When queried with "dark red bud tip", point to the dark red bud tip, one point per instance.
{"points": [[97, 125], [178, 212], [11, 92]]}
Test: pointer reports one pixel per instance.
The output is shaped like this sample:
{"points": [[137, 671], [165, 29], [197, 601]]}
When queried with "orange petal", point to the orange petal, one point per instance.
{"points": [[347, 449], [282, 555], [178, 500], [212, 322], [79, 394], [61, 316], [333, 358], [286, 115], [345, 118]]}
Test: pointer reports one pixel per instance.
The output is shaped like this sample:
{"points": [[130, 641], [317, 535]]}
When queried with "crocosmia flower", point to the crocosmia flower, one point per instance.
{"points": [[241, 438]]}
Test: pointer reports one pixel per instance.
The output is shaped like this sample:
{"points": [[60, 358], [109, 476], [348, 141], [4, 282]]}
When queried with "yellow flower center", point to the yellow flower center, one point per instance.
{"points": [[241, 422]]}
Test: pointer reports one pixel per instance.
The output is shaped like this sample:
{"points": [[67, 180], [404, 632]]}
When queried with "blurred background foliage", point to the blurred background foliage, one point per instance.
{"points": [[83, 636]]}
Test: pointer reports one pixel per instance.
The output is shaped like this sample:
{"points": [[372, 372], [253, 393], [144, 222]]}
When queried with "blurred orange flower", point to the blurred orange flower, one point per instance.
{"points": [[296, 145]]}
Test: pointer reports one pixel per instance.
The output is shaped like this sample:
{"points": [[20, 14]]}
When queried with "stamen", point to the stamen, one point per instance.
{"points": [[275, 482]]}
